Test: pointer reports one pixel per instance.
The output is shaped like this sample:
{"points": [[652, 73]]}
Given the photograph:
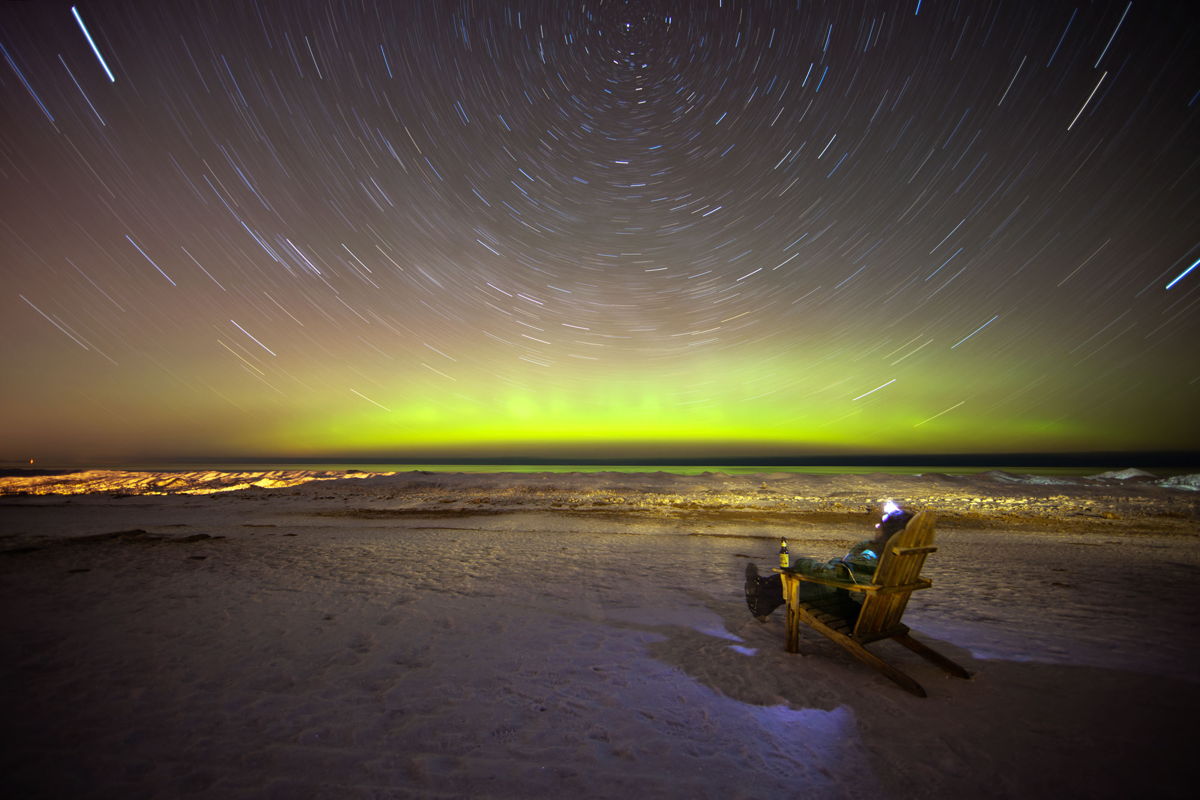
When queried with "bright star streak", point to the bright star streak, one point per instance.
{"points": [[873, 391], [1181, 275], [1085, 102], [92, 42], [369, 400], [151, 260], [935, 416], [25, 83], [1114, 35], [256, 341], [977, 330], [52, 322], [81, 91]]}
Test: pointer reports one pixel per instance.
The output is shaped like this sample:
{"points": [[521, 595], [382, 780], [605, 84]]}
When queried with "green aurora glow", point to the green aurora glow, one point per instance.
{"points": [[586, 231], [948, 402]]}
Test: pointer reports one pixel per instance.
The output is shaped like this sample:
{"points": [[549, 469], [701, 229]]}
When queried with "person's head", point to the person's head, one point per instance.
{"points": [[895, 519]]}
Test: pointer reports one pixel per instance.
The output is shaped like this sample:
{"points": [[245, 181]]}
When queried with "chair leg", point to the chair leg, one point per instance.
{"points": [[792, 618], [864, 655], [929, 653], [867, 657]]}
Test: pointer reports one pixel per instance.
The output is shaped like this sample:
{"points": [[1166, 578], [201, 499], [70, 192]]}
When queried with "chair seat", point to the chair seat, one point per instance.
{"points": [[835, 609], [839, 612]]}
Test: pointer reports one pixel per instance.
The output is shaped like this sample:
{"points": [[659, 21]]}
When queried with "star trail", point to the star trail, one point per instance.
{"points": [[325, 229]]}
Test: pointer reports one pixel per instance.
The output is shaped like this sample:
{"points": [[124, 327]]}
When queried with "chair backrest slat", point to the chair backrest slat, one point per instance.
{"points": [[882, 611]]}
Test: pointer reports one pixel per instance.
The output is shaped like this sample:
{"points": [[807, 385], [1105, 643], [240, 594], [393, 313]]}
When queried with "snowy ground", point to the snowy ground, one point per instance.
{"points": [[433, 635]]}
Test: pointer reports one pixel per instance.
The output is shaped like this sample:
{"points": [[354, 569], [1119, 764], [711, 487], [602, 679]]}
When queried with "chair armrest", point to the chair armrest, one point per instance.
{"points": [[920, 583], [832, 582], [912, 551]]}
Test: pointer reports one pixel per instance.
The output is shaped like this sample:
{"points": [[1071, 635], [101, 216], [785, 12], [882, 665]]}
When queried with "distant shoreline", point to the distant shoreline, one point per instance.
{"points": [[915, 468], [1130, 500]]}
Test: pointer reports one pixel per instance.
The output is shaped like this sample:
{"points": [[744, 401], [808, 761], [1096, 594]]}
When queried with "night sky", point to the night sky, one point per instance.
{"points": [[598, 228]]}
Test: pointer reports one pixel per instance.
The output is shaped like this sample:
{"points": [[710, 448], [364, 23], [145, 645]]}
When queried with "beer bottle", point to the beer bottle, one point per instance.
{"points": [[785, 560]]}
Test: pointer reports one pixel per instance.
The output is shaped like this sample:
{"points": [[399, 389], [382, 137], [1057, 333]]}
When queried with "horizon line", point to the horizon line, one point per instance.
{"points": [[1121, 458]]}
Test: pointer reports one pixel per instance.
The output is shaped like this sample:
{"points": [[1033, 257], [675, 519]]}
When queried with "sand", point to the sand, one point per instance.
{"points": [[537, 635]]}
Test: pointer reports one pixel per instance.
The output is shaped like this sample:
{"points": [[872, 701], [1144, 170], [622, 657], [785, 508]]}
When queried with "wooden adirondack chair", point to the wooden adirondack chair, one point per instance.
{"points": [[851, 625]]}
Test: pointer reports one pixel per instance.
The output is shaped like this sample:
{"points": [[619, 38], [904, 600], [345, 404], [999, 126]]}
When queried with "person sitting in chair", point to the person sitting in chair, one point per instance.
{"points": [[765, 594]]}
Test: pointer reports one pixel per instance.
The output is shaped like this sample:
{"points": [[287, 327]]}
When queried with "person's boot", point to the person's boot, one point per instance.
{"points": [[763, 595]]}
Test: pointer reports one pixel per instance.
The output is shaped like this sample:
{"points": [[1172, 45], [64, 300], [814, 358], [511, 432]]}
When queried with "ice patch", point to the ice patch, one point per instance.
{"points": [[1189, 482], [1035, 480], [1124, 474], [720, 633]]}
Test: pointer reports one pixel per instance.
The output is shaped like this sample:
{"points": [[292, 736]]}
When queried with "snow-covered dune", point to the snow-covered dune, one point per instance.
{"points": [[518, 636]]}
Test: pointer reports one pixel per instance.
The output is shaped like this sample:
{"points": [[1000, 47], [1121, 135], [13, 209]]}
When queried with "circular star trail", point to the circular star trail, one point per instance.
{"points": [[598, 228]]}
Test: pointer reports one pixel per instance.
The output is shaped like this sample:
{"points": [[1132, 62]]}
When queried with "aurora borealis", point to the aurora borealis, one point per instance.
{"points": [[598, 228]]}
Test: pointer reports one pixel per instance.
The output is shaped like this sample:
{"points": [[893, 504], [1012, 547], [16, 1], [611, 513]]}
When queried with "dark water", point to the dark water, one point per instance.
{"points": [[677, 469], [916, 469]]}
